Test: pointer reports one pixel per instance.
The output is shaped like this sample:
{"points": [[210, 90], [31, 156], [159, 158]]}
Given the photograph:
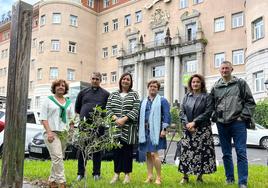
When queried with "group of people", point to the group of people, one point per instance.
{"points": [[230, 104]]}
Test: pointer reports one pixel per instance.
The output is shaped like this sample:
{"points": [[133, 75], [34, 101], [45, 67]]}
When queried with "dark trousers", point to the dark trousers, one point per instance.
{"points": [[236, 130], [96, 157], [123, 158]]}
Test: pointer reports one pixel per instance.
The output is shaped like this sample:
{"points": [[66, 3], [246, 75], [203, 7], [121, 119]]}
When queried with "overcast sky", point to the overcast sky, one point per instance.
{"points": [[6, 5]]}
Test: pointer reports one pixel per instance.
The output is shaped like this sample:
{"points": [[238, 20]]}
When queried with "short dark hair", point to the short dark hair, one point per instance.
{"points": [[57, 83], [121, 78], [98, 74], [227, 62], [154, 82], [203, 84]]}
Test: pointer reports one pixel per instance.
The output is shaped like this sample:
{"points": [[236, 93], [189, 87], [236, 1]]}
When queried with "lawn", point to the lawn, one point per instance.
{"points": [[39, 170]]}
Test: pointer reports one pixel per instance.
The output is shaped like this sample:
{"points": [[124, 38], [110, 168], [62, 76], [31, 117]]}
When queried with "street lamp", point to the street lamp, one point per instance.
{"points": [[266, 84]]}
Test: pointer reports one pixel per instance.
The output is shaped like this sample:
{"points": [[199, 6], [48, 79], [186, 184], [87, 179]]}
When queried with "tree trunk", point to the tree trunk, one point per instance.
{"points": [[17, 95]]}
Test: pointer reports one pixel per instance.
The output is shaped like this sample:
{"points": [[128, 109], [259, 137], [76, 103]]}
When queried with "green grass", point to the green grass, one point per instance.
{"points": [[33, 170]]}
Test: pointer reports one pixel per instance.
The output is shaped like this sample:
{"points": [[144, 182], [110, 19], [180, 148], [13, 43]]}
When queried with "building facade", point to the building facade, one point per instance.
{"points": [[167, 40]]}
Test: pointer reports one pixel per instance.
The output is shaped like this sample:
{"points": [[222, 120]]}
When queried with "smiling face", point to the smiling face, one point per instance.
{"points": [[60, 89], [196, 84], [226, 70], [126, 82]]}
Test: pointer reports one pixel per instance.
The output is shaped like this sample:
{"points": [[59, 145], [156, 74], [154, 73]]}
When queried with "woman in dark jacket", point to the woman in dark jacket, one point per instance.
{"points": [[123, 107], [197, 152]]}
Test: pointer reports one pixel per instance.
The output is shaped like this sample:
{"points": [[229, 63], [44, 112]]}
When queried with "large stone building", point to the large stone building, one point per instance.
{"points": [[166, 40]]}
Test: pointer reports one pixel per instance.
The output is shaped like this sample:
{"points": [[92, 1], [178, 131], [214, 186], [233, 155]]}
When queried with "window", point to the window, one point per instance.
{"points": [[39, 74], [198, 1], [114, 50], [37, 102], [258, 29], [159, 71], [32, 64], [183, 3], [56, 18], [237, 20], [70, 74], [31, 85], [113, 77], [55, 45], [238, 57], [91, 3], [105, 52], [218, 59], [35, 22], [4, 53], [114, 1], [115, 24], [5, 35], [2, 90], [53, 73], [191, 31], [72, 47], [34, 42], [41, 46], [73, 20], [127, 20], [258, 81], [138, 16], [132, 45], [190, 66], [4, 71], [159, 37], [219, 24], [43, 20], [105, 27], [105, 3], [104, 78]]}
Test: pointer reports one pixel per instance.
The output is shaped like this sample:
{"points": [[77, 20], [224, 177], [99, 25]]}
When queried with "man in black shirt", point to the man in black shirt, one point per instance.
{"points": [[86, 101]]}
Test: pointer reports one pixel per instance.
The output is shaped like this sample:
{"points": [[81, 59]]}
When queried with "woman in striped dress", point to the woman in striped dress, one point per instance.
{"points": [[123, 106]]}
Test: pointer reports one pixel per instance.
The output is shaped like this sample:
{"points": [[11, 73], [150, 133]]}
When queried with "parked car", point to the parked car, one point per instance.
{"points": [[255, 137], [33, 127], [38, 150], [2, 125]]}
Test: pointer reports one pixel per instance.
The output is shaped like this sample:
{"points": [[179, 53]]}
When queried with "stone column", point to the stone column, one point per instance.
{"points": [[120, 68], [136, 76], [200, 63], [140, 79], [176, 79], [167, 81]]}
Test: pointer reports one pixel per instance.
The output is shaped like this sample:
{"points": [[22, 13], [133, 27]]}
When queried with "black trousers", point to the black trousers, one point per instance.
{"points": [[96, 158], [123, 158]]}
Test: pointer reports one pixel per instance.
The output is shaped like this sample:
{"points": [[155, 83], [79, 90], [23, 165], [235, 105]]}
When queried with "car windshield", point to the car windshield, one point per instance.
{"points": [[2, 114]]}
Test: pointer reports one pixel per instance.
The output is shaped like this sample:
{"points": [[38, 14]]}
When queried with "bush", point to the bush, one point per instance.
{"points": [[261, 113], [175, 119]]}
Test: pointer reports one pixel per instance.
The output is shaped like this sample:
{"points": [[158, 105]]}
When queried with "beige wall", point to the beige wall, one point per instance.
{"points": [[83, 61]]}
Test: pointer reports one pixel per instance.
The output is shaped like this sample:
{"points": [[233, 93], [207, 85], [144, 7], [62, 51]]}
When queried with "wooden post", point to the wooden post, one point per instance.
{"points": [[17, 95]]}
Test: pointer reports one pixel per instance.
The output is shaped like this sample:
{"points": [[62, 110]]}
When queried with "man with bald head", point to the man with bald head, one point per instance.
{"points": [[234, 107], [85, 103]]}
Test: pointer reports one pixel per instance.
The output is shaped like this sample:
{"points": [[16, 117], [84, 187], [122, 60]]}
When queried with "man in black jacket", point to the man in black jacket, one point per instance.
{"points": [[86, 101], [234, 107]]}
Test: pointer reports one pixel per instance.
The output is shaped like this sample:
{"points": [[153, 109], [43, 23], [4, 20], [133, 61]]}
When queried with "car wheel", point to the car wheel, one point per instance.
{"points": [[216, 139], [264, 142]]}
